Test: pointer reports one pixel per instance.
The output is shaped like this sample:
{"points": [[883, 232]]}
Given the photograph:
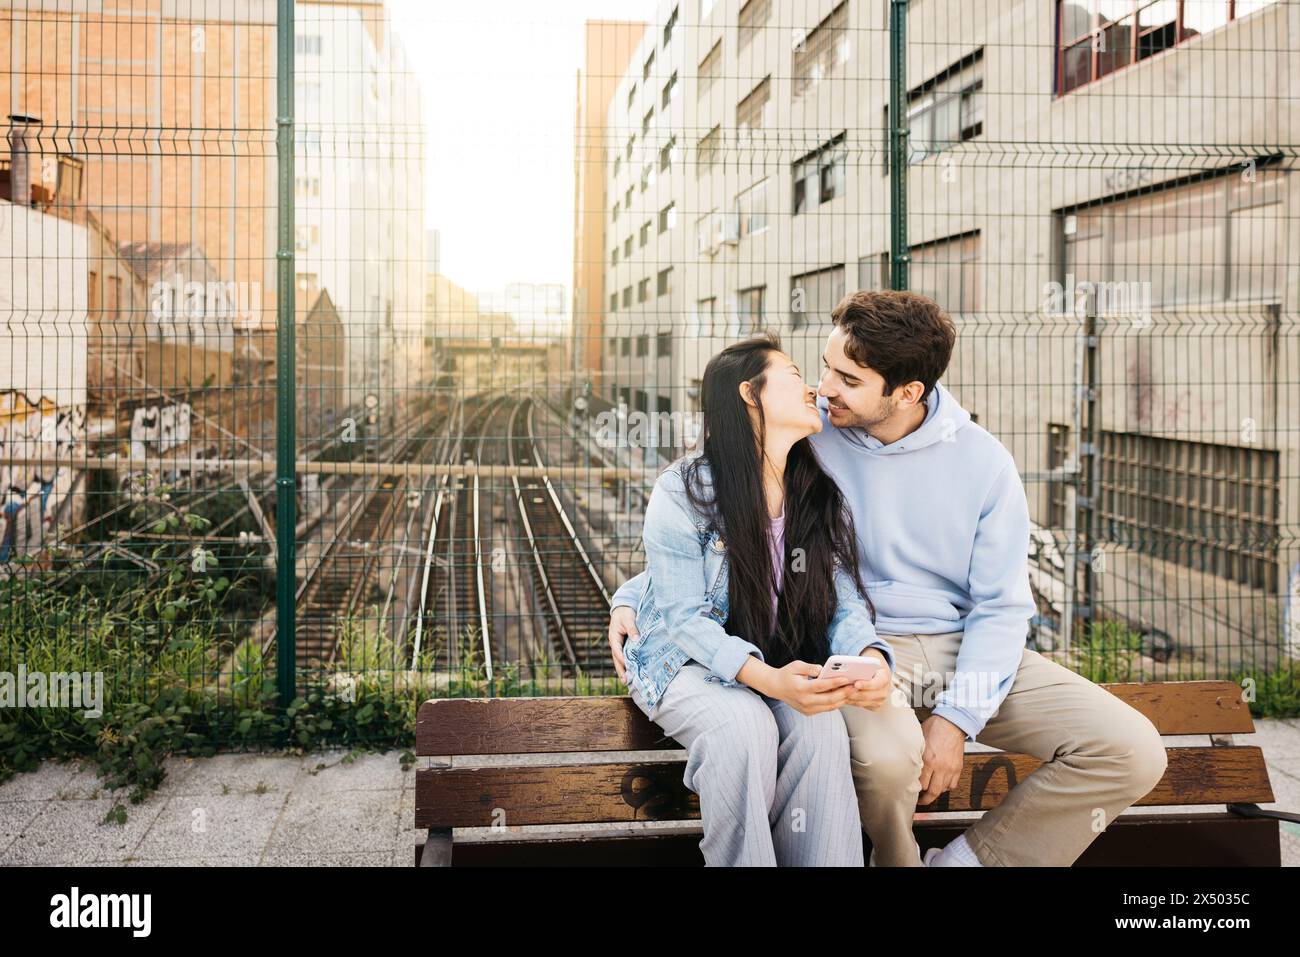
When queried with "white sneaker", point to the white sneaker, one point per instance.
{"points": [[930, 856]]}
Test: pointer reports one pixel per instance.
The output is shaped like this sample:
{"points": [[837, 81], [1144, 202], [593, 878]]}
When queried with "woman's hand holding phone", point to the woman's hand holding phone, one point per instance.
{"points": [[797, 684]]}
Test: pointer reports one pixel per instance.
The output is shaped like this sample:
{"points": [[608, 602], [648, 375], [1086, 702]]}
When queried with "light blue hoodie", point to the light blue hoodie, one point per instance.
{"points": [[943, 535]]}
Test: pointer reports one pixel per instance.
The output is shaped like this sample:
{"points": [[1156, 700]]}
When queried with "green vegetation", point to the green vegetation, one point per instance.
{"points": [[1110, 651]]}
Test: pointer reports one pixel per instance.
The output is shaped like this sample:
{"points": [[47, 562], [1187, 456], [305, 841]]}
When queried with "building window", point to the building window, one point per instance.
{"points": [[1058, 454], [819, 176], [667, 217], [752, 112], [1213, 240], [647, 176], [873, 271], [613, 350], [645, 232], [751, 19], [631, 96], [113, 296], [614, 213], [642, 346], [308, 237], [821, 52], [627, 296], [1212, 508], [944, 111], [668, 27], [646, 121], [618, 163], [670, 91], [643, 290], [627, 247], [702, 318], [627, 200], [751, 209], [613, 256], [708, 150], [665, 283], [664, 406], [751, 309], [667, 154], [613, 302], [664, 344], [815, 294], [710, 69], [708, 231], [649, 65], [625, 346], [1098, 37], [631, 143], [947, 271]]}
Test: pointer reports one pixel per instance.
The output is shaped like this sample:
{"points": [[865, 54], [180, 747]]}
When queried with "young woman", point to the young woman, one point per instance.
{"points": [[752, 583]]}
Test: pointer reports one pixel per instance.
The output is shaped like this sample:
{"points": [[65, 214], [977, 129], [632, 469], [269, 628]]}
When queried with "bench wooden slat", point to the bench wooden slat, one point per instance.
{"points": [[1188, 707], [616, 792], [548, 725], [1148, 840], [535, 726]]}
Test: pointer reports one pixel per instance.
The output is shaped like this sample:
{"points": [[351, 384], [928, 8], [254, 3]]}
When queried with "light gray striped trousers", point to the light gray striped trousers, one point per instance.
{"points": [[775, 785]]}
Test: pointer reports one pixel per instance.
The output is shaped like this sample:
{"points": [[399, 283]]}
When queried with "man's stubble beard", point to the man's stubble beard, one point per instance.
{"points": [[884, 411]]}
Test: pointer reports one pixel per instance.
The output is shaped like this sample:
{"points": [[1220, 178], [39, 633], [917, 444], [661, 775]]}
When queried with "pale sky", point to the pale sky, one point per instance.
{"points": [[498, 80]]}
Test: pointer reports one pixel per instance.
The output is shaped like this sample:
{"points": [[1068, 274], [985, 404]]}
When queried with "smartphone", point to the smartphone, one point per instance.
{"points": [[857, 667]]}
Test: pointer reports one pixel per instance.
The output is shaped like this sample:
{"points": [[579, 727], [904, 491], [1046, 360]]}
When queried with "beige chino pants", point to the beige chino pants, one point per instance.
{"points": [[1100, 754]]}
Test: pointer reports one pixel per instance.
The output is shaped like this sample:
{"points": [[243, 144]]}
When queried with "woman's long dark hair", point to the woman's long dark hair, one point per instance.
{"points": [[816, 518]]}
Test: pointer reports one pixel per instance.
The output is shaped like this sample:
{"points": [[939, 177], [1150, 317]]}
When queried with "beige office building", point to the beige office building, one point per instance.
{"points": [[1124, 161]]}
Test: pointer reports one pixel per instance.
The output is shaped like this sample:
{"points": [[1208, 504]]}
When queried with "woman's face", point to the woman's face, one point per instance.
{"points": [[789, 403]]}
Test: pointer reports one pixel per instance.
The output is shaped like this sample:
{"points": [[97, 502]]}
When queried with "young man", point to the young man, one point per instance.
{"points": [[943, 537]]}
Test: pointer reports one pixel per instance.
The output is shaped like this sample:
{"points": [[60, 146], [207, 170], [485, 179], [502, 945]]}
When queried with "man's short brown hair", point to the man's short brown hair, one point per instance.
{"points": [[903, 336]]}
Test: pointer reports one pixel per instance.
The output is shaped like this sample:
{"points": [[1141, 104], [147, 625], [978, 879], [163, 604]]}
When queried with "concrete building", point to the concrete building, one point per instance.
{"points": [[170, 107], [359, 192], [42, 376], [608, 45], [1074, 171]]}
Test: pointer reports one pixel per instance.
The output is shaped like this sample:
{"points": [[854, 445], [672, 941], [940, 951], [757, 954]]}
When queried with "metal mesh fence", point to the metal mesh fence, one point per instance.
{"points": [[244, 393]]}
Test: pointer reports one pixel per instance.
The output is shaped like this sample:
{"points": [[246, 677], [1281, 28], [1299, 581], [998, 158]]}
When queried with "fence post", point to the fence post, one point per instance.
{"points": [[285, 373], [898, 251]]}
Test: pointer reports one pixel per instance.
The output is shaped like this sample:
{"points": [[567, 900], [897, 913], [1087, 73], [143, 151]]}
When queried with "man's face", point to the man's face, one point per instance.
{"points": [[854, 393]]}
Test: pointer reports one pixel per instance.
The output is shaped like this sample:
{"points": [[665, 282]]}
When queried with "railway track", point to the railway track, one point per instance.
{"points": [[339, 578], [455, 608], [571, 596]]}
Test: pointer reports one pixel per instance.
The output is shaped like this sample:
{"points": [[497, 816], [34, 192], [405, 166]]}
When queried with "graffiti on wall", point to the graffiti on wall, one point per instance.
{"points": [[159, 428], [31, 494]]}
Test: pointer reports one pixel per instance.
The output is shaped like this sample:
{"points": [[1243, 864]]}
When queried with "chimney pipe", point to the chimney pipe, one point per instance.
{"points": [[20, 157]]}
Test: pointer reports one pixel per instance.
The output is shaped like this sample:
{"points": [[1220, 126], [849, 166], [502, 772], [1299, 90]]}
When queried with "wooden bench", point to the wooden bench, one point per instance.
{"points": [[579, 783]]}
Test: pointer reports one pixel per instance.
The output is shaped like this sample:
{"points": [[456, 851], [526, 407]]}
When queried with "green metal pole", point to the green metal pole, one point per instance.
{"points": [[285, 373], [899, 255]]}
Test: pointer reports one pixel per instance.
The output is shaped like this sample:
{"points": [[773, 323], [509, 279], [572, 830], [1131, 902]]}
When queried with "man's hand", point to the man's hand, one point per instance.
{"points": [[945, 748], [875, 691], [622, 625]]}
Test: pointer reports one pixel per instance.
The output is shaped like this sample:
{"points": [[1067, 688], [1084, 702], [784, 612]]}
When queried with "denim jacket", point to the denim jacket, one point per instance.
{"points": [[681, 598]]}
